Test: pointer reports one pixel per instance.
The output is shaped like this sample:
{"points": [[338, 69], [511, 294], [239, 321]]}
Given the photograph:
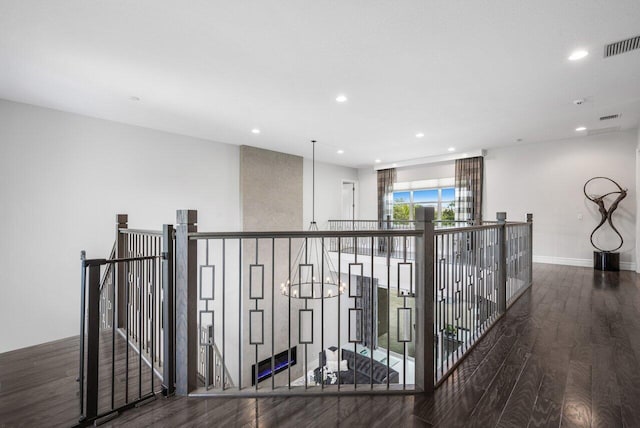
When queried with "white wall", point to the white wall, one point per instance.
{"points": [[328, 191], [368, 198], [426, 172], [63, 178], [547, 179], [638, 204]]}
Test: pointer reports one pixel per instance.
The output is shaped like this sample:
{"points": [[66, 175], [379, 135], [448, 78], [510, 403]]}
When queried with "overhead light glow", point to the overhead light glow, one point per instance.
{"points": [[340, 151], [255, 131], [581, 128], [378, 161], [579, 54], [341, 98], [452, 149], [419, 135]]}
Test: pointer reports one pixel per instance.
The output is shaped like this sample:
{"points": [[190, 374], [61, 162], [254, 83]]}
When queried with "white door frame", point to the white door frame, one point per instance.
{"points": [[354, 200]]}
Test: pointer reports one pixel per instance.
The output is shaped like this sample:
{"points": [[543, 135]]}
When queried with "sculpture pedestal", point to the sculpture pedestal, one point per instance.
{"points": [[604, 260]]}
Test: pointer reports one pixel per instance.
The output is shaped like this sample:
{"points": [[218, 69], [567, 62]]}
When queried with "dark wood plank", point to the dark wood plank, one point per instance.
{"points": [[488, 410], [519, 407], [576, 411], [605, 392]]}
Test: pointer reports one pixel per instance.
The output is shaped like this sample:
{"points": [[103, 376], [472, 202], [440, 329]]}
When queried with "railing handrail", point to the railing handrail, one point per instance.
{"points": [[131, 259], [372, 221], [141, 232], [451, 230], [306, 234], [106, 273], [391, 220]]}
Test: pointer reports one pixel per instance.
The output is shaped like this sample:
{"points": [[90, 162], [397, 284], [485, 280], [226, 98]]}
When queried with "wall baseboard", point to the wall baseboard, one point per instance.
{"points": [[577, 262]]}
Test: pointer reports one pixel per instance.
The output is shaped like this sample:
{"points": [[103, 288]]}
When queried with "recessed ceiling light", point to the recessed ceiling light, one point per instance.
{"points": [[452, 149], [581, 128], [341, 98], [255, 131], [419, 135], [340, 151], [378, 161], [133, 98], [579, 54]]}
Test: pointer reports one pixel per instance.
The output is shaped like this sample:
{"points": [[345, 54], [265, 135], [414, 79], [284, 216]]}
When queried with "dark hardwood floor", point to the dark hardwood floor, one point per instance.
{"points": [[566, 354]]}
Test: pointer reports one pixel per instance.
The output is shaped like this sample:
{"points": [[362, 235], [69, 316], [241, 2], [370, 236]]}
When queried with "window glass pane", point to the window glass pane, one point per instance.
{"points": [[448, 194], [401, 197], [430, 195]]}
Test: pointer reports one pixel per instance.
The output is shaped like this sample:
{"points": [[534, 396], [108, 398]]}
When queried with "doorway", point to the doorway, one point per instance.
{"points": [[348, 200]]}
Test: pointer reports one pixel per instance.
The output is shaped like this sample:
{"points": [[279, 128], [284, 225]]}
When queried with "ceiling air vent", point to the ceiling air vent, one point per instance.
{"points": [[622, 46], [603, 130], [610, 117]]}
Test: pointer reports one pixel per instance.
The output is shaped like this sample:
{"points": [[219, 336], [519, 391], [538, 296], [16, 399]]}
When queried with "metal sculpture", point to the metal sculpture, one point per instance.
{"points": [[605, 213]]}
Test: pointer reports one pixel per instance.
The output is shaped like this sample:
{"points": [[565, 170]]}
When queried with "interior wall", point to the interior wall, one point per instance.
{"points": [[271, 189], [329, 179], [368, 197], [426, 172], [638, 203], [271, 184], [547, 180], [64, 177]]}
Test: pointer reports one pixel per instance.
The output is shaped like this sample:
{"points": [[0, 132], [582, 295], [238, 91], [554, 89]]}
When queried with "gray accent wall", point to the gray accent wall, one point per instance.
{"points": [[270, 189], [271, 199]]}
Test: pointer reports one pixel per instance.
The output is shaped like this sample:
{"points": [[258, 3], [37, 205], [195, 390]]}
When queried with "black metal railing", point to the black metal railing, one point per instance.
{"points": [[272, 334], [479, 272], [114, 373], [133, 349], [209, 313]]}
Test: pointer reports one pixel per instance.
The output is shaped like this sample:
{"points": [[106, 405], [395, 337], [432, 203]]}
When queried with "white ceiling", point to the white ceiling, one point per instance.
{"points": [[468, 74]]}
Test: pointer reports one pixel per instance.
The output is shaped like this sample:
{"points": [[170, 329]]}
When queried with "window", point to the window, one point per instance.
{"points": [[442, 199]]}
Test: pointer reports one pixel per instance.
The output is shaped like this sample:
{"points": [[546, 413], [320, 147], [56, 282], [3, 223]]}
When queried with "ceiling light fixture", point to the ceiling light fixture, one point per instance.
{"points": [[451, 149], [378, 161], [578, 54], [313, 275], [340, 151], [419, 135], [255, 131], [581, 128], [341, 98]]}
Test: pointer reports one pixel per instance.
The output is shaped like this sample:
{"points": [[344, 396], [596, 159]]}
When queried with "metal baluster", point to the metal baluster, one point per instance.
{"points": [[224, 355]]}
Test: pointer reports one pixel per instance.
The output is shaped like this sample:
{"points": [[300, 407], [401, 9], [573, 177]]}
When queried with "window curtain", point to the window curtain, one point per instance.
{"points": [[366, 322], [468, 183], [386, 178]]}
